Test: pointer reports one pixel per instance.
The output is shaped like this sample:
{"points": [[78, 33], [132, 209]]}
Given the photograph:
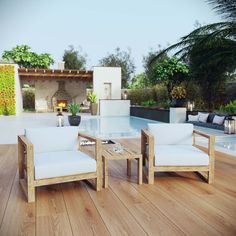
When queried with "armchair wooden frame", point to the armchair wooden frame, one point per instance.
{"points": [[147, 149], [26, 167]]}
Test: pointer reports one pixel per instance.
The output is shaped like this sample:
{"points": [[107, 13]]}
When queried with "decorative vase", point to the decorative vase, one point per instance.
{"points": [[94, 109], [74, 120]]}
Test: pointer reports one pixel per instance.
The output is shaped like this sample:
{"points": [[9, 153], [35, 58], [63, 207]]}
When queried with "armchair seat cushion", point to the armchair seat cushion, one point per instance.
{"points": [[179, 155], [62, 163]]}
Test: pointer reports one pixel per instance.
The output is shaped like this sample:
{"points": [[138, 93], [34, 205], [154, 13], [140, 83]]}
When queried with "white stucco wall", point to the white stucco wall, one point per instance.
{"points": [[114, 107], [106, 75]]}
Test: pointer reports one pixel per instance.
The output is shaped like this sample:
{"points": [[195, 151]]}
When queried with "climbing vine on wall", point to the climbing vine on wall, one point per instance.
{"points": [[7, 90]]}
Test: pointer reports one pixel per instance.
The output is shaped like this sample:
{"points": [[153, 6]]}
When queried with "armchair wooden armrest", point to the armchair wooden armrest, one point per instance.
{"points": [[25, 155], [211, 141], [26, 166], [147, 139], [98, 144], [89, 137], [211, 153], [23, 140], [98, 157]]}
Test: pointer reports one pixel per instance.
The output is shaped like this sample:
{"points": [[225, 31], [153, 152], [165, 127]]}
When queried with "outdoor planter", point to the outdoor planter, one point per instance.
{"points": [[178, 103], [94, 109], [74, 120], [150, 113]]}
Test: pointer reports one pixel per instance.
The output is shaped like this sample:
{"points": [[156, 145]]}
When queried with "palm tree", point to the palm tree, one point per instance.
{"points": [[210, 47], [208, 34]]}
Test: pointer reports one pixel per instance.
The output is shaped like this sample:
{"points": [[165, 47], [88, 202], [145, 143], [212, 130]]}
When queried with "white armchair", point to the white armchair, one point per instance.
{"points": [[51, 155], [171, 147]]}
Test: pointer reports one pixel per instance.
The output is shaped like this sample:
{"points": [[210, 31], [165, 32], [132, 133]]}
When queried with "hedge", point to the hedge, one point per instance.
{"points": [[7, 90]]}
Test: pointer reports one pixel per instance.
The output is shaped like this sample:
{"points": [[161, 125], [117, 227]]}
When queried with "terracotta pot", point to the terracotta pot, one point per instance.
{"points": [[94, 109]]}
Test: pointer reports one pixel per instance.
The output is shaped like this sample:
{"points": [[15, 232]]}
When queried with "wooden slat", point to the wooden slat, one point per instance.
{"points": [[83, 215], [51, 213], [115, 215], [19, 217], [153, 221], [8, 167], [221, 221], [186, 220]]}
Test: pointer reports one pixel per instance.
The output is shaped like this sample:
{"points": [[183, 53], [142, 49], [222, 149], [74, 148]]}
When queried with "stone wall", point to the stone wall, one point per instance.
{"points": [[45, 89]]}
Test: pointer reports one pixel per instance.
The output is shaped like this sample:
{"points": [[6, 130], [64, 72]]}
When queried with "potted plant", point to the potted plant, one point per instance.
{"points": [[74, 108], [178, 95], [92, 97]]}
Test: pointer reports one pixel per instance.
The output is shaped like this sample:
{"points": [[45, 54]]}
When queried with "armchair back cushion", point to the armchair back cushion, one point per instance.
{"points": [[53, 139], [172, 134]]}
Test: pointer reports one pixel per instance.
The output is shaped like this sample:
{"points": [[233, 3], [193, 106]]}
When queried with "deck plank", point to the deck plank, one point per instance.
{"points": [[221, 221], [51, 213], [116, 216], [83, 215], [19, 218], [8, 166], [149, 217]]}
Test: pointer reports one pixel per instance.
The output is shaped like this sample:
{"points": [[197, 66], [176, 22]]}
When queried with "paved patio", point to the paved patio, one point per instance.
{"points": [[11, 126]]}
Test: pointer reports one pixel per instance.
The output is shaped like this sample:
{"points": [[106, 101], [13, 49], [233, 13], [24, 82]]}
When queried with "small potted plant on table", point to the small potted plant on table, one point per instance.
{"points": [[92, 97], [74, 119]]}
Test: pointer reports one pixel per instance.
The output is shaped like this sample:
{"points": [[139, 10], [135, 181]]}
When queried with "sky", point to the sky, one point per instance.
{"points": [[98, 27]]}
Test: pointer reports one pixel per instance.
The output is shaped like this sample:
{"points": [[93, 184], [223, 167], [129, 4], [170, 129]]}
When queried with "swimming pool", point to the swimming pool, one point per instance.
{"points": [[114, 127], [129, 127]]}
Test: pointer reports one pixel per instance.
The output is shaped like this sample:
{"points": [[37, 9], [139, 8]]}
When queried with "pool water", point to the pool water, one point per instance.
{"points": [[130, 127], [114, 127]]}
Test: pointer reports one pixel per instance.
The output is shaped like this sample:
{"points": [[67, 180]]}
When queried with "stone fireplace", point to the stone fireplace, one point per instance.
{"points": [[61, 98]]}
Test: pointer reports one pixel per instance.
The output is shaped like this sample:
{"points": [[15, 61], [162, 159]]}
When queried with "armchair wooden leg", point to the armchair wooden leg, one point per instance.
{"points": [[150, 175], [31, 193], [210, 176], [99, 178]]}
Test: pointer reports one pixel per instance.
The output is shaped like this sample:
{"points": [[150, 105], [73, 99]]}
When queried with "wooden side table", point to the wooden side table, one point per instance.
{"points": [[127, 154]]}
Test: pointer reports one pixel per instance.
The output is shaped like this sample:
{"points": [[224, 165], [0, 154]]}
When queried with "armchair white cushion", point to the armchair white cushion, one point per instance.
{"points": [[53, 139], [63, 163], [172, 134], [179, 155]]}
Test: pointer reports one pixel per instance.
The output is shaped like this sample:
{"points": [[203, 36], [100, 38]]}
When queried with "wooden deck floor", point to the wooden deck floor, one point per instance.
{"points": [[175, 205]]}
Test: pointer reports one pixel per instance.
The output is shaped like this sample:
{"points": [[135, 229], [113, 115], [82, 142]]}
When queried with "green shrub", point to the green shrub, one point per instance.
{"points": [[7, 90], [229, 108], [137, 96], [161, 93], [164, 104], [149, 103], [29, 100]]}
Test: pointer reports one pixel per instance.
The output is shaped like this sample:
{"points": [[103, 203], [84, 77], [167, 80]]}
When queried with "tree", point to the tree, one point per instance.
{"points": [[74, 59], [171, 72], [149, 67], [210, 72], [139, 81], [120, 59], [22, 55], [211, 50]]}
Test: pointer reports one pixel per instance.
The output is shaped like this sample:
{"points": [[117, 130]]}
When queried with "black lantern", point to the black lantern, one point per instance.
{"points": [[229, 126]]}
